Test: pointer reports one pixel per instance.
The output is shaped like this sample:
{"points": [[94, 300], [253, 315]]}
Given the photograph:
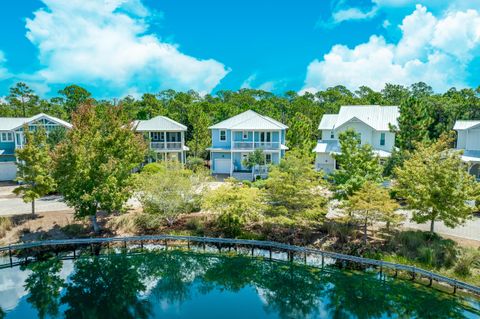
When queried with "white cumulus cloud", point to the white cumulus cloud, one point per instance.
{"points": [[433, 50], [106, 43]]}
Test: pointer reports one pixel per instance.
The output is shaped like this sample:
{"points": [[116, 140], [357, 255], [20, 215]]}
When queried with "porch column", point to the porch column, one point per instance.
{"points": [[231, 151], [164, 140], [253, 144]]}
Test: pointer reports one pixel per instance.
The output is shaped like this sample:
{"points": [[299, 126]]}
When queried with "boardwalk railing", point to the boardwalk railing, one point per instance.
{"points": [[252, 244]]}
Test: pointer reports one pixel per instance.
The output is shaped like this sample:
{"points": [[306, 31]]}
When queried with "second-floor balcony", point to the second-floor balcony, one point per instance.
{"points": [[174, 146], [256, 145]]}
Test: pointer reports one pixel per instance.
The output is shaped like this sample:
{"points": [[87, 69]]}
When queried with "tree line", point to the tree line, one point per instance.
{"points": [[425, 115]]}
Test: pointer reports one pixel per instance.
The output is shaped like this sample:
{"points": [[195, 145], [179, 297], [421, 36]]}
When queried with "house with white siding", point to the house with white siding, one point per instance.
{"points": [[237, 137], [166, 138], [371, 122], [12, 137], [468, 140]]}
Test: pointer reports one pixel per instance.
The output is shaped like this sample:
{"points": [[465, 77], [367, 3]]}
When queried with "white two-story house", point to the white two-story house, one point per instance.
{"points": [[237, 137], [12, 137], [372, 122], [468, 140], [166, 138]]}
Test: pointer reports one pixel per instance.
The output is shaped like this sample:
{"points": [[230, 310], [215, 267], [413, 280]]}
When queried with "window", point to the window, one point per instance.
{"points": [[155, 136], [332, 135], [223, 135], [245, 135], [382, 139], [268, 158], [7, 137], [265, 137]]}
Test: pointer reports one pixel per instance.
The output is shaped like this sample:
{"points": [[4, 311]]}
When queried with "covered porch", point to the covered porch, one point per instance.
{"points": [[472, 159]]}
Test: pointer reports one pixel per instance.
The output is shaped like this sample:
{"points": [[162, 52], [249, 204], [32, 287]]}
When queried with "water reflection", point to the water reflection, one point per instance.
{"points": [[121, 286]]}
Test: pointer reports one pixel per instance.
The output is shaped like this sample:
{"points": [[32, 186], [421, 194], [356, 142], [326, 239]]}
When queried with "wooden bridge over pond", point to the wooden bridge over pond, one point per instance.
{"points": [[72, 248]]}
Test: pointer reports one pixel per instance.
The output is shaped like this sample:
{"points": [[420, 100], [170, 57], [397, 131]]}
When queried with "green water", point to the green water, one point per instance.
{"points": [[179, 284]]}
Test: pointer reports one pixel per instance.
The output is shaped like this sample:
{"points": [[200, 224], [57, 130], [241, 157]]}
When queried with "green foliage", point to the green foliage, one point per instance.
{"points": [[428, 249], [153, 168], [235, 205], [295, 190], [254, 158], [171, 191], [23, 100], [436, 185], [34, 167], [94, 163], [56, 136], [413, 124], [299, 134], [74, 96], [370, 204], [195, 164], [467, 262], [199, 137], [357, 165]]}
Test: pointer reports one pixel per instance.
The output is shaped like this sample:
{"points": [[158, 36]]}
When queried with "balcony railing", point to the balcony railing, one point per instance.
{"points": [[166, 145], [255, 145]]}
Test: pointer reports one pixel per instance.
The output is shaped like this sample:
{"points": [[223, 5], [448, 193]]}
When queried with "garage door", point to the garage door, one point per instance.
{"points": [[8, 171], [222, 166]]}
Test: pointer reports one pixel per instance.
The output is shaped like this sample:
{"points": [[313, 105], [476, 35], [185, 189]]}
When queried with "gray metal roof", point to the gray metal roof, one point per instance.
{"points": [[13, 123], [328, 121], [376, 116], [158, 123], [465, 125], [249, 120]]}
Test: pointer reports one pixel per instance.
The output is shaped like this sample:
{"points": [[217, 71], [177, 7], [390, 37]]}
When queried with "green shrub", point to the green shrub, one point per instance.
{"points": [[195, 164], [197, 225], [153, 168], [75, 230]]}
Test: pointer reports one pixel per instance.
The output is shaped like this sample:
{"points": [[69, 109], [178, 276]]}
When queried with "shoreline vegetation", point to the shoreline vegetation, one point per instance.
{"points": [[91, 167]]}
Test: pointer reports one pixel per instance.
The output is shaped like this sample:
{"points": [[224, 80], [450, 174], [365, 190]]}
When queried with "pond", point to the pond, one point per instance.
{"points": [[180, 284]]}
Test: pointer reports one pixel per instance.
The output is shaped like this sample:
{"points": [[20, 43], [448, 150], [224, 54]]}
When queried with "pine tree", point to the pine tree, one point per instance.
{"points": [[357, 164], [34, 167]]}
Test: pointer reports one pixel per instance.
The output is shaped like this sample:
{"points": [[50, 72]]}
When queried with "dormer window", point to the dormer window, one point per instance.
{"points": [[245, 135], [382, 139], [223, 135], [332, 134]]}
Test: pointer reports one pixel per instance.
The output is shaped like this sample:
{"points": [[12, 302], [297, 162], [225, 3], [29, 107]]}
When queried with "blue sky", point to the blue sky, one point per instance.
{"points": [[120, 47]]}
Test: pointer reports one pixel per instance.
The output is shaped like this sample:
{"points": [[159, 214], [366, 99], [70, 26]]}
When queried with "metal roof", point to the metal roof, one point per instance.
{"points": [[158, 123], [465, 125], [328, 121], [376, 116], [249, 120], [13, 123]]}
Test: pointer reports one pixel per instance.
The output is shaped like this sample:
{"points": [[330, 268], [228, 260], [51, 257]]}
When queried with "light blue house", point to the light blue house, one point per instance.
{"points": [[12, 137], [238, 136], [166, 138]]}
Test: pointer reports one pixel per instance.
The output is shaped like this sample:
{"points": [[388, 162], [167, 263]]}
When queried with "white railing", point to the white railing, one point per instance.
{"points": [[255, 145], [166, 145]]}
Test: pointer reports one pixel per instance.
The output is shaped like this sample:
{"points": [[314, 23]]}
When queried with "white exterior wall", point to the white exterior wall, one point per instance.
{"points": [[461, 139], [473, 140], [359, 127], [326, 135], [325, 162]]}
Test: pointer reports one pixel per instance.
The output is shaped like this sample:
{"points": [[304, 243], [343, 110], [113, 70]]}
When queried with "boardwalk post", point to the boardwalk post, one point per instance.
{"points": [[252, 250], [125, 244], [323, 261], [396, 273], [10, 255], [270, 252], [166, 245], [188, 244], [141, 244], [305, 258], [430, 283], [74, 252]]}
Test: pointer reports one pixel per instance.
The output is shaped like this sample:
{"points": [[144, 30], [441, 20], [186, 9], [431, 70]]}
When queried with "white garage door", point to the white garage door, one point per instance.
{"points": [[222, 166], [8, 171]]}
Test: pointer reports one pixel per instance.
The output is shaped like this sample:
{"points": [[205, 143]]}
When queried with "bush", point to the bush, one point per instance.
{"points": [[424, 247], [197, 225], [153, 168], [195, 164], [5, 225], [469, 260]]}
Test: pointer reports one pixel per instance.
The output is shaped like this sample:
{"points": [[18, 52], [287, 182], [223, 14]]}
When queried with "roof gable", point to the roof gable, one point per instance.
{"points": [[14, 123], [377, 117], [249, 120], [158, 123], [465, 125]]}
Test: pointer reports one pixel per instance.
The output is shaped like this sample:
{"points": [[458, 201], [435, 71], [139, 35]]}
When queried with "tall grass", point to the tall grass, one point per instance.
{"points": [[5, 225]]}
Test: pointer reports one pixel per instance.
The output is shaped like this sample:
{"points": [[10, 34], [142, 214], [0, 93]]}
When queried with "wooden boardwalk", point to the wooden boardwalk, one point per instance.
{"points": [[219, 243]]}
